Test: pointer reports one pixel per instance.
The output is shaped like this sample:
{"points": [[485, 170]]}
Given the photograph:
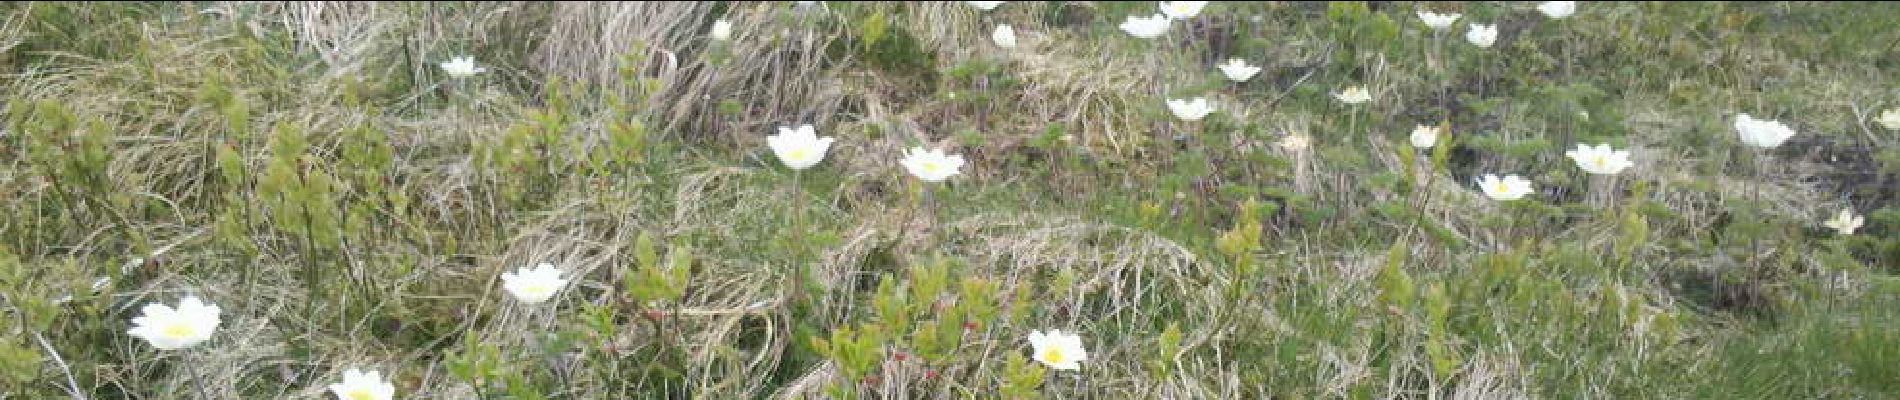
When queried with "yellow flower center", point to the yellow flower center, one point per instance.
{"points": [[178, 331], [931, 167], [1052, 356], [1602, 162], [536, 290], [798, 154], [1501, 188], [361, 394]]}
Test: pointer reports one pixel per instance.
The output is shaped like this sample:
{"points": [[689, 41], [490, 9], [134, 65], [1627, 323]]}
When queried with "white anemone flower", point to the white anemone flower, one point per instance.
{"points": [[1182, 9], [1005, 36], [1511, 187], [1353, 95], [799, 148], [1190, 110], [462, 67], [1846, 222], [533, 286], [1890, 119], [1557, 9], [1762, 133], [1424, 136], [1438, 22], [168, 328], [931, 165], [359, 385], [1146, 28], [1482, 35], [1600, 159], [1237, 70], [1058, 350], [722, 30]]}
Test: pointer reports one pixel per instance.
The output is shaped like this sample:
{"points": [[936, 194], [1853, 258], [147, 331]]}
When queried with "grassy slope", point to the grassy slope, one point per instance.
{"points": [[306, 166]]}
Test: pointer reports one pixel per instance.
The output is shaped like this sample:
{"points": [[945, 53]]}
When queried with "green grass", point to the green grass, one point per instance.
{"points": [[308, 168]]}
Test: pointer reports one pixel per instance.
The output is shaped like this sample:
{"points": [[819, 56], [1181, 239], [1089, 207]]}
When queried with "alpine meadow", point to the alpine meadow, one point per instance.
{"points": [[949, 200]]}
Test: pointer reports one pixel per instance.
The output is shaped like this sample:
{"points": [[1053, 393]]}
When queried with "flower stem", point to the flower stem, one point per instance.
{"points": [[1754, 201], [1422, 194], [801, 268], [1078, 384], [1352, 125], [1600, 189], [192, 368], [930, 203], [1616, 194], [1510, 224]]}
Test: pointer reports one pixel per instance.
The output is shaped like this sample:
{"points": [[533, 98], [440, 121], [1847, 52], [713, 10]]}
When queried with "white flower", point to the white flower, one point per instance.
{"points": [[932, 165], [1512, 187], [1146, 28], [1058, 350], [169, 328], [1439, 22], [359, 385], [1424, 136], [1482, 35], [1004, 36], [722, 30], [798, 148], [533, 286], [1890, 119], [462, 67], [1295, 142], [1353, 95], [1762, 133], [1237, 70], [1600, 159], [1557, 9], [984, 5], [1190, 110], [1846, 222], [1182, 9]]}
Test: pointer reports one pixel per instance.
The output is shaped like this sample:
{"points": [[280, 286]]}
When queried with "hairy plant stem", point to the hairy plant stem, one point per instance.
{"points": [[192, 368], [1352, 125], [1423, 194], [930, 206], [801, 269], [1511, 215], [1754, 200]]}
